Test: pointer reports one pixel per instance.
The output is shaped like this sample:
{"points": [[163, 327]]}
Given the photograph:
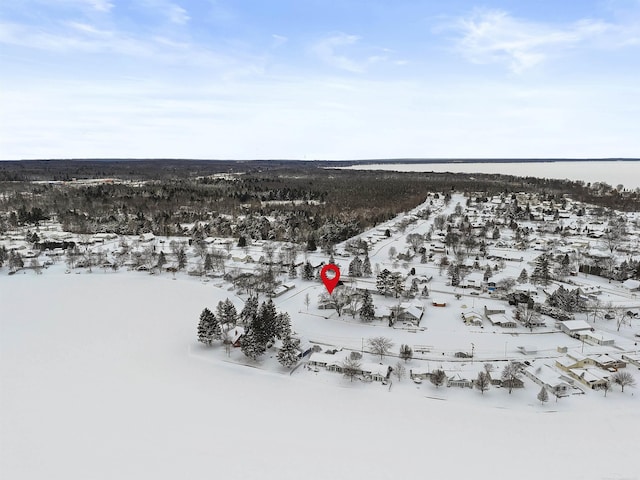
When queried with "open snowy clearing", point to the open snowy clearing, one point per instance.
{"points": [[102, 378]]}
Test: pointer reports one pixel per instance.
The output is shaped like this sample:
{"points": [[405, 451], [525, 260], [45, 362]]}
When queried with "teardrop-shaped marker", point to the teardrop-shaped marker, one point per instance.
{"points": [[330, 283]]}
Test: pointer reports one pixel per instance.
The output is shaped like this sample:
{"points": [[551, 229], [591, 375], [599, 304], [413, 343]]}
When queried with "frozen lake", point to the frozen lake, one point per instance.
{"points": [[612, 172]]}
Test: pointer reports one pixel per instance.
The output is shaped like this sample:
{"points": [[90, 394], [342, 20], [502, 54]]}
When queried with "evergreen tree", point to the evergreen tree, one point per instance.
{"points": [[366, 267], [288, 354], [226, 312], [293, 271], [250, 310], [454, 273], [311, 244], [283, 325], [208, 262], [406, 352], [307, 271], [355, 267], [438, 377], [487, 273], [396, 285], [242, 242], [382, 282], [251, 346], [367, 311], [524, 276], [265, 327], [541, 273], [3, 255], [162, 260], [208, 327], [543, 396]]}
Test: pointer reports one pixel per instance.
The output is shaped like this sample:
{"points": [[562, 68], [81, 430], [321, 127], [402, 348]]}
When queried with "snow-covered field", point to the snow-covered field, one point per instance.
{"points": [[102, 378]]}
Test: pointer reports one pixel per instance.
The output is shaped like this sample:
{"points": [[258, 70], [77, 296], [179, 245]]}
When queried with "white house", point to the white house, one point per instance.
{"points": [[631, 285]]}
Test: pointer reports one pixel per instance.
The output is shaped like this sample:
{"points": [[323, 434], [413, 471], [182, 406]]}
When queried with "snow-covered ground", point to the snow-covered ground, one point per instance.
{"points": [[101, 378]]}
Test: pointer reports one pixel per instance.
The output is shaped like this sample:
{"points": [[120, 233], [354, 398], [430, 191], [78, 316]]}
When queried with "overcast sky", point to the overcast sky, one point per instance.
{"points": [[319, 79]]}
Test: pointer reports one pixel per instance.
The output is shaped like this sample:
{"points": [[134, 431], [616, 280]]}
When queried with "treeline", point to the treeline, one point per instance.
{"points": [[294, 201]]}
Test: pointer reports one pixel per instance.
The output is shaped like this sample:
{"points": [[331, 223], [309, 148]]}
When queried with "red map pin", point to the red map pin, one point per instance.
{"points": [[330, 282]]}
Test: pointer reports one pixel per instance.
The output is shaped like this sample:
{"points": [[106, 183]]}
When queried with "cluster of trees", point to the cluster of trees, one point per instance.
{"points": [[390, 282], [567, 300], [263, 324]]}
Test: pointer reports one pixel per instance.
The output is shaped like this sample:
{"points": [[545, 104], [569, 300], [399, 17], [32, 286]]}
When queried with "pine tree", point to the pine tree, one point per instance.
{"points": [[524, 276], [208, 262], [311, 244], [438, 377], [250, 310], [208, 328], [543, 396], [226, 312], [454, 273], [541, 272], [367, 310], [283, 325], [288, 354], [487, 273], [307, 271], [251, 346], [366, 267], [265, 327], [162, 260], [293, 271], [406, 352], [396, 284], [382, 282], [355, 267]]}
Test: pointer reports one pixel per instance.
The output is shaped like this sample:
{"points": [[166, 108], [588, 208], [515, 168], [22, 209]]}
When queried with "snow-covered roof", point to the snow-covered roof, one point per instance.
{"points": [[576, 325]]}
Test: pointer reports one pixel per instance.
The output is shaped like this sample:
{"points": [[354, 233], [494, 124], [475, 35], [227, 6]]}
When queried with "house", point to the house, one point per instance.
{"points": [[501, 321], [458, 380], [632, 358], [473, 280], [547, 377], [574, 328], [606, 361], [589, 377], [377, 372], [471, 317], [411, 314], [631, 285], [438, 303], [598, 337], [146, 237]]}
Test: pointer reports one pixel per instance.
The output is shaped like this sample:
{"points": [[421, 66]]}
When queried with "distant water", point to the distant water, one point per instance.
{"points": [[614, 172]]}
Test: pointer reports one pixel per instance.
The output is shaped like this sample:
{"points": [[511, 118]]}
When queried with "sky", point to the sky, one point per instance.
{"points": [[319, 79]]}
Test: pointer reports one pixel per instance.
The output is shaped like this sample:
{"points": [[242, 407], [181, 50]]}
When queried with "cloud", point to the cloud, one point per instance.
{"points": [[497, 37], [278, 40], [328, 49]]}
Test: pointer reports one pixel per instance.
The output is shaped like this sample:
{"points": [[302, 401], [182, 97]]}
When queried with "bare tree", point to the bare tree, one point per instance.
{"points": [[623, 379], [606, 387], [380, 345], [527, 316], [307, 301], [399, 371], [511, 374], [482, 382], [351, 367]]}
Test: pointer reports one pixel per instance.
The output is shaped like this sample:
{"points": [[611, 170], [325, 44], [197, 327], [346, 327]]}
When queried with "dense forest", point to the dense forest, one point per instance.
{"points": [[285, 200]]}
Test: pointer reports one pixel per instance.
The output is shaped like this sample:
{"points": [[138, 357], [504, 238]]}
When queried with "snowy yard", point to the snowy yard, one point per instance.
{"points": [[102, 378]]}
